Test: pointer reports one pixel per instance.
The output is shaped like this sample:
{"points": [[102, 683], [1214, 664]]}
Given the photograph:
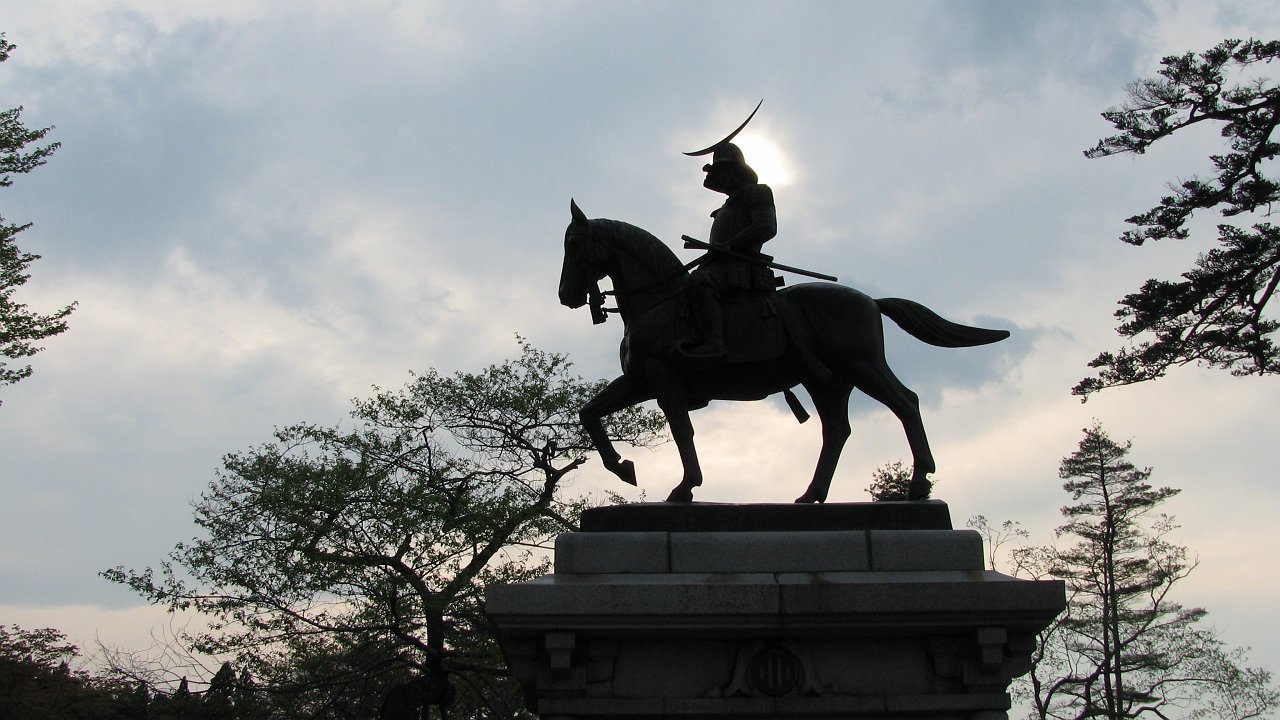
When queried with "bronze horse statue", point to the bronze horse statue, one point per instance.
{"points": [[834, 342]]}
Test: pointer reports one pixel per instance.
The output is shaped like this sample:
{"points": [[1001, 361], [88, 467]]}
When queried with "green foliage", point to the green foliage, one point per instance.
{"points": [[1213, 316], [1190, 90], [336, 563], [230, 695], [1216, 314], [892, 481], [1124, 648], [42, 676], [38, 680], [20, 328]]}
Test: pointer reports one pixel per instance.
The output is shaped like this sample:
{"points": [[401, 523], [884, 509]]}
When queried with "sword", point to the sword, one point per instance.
{"points": [[757, 259]]}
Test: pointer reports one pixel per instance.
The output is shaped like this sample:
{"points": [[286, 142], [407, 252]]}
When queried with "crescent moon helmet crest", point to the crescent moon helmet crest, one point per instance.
{"points": [[728, 138]]}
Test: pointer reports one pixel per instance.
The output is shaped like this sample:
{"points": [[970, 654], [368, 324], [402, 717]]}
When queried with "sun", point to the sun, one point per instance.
{"points": [[767, 158]]}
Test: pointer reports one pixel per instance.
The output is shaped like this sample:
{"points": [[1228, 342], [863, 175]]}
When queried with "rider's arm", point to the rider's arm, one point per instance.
{"points": [[764, 221]]}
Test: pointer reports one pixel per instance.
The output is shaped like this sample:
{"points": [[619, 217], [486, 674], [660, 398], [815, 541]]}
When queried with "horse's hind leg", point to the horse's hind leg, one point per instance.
{"points": [[877, 380], [617, 395], [832, 403]]}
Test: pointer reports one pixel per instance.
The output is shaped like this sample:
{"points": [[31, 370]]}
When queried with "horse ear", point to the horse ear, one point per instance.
{"points": [[578, 216]]}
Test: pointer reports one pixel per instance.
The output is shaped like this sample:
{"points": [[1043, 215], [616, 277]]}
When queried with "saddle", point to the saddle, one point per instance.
{"points": [[753, 329]]}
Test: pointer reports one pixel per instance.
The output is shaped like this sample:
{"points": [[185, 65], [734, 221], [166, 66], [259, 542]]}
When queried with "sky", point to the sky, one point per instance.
{"points": [[264, 210]]}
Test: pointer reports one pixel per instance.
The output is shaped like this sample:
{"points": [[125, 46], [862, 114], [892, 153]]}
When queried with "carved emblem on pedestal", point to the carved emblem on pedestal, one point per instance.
{"points": [[775, 671], [772, 669]]}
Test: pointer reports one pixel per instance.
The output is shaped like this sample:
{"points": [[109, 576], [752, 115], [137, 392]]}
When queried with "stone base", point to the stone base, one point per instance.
{"points": [[644, 619]]}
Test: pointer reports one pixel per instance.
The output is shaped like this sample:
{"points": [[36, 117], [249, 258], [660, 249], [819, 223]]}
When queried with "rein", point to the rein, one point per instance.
{"points": [[596, 297]]}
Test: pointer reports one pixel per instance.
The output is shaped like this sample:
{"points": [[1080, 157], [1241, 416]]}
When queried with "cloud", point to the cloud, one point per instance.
{"points": [[265, 209]]}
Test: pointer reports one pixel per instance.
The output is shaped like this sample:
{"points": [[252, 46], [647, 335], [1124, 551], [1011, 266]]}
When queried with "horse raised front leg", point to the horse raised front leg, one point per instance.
{"points": [[832, 403], [617, 395]]}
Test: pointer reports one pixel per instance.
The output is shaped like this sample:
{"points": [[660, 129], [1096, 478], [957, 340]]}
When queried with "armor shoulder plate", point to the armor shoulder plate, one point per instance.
{"points": [[758, 195]]}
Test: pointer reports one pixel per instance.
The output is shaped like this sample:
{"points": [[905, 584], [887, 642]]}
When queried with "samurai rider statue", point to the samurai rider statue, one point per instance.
{"points": [[823, 336], [733, 269]]}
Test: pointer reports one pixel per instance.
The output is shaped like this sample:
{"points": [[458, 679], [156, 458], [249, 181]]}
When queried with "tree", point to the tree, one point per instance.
{"points": [[339, 564], [1216, 315], [892, 481], [230, 697], [37, 680], [1123, 648], [20, 328], [181, 704], [996, 537]]}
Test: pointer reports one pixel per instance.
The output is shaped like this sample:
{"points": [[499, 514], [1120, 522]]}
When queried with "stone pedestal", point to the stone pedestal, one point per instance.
{"points": [[868, 610]]}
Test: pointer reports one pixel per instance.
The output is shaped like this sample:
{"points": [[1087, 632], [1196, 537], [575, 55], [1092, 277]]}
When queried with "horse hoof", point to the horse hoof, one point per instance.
{"points": [[919, 489], [807, 498], [681, 495], [626, 472]]}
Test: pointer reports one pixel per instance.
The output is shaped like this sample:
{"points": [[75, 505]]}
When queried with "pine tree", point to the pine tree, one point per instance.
{"points": [[219, 698], [1216, 314], [20, 328], [1124, 648]]}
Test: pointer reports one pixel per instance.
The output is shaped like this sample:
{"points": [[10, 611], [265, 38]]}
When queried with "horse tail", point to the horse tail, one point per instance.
{"points": [[928, 326]]}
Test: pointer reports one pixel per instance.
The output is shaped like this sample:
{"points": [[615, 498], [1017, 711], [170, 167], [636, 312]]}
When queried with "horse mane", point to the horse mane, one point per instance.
{"points": [[641, 246]]}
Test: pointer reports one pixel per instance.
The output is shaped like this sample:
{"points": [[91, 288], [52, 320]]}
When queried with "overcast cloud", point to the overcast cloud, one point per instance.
{"points": [[264, 209]]}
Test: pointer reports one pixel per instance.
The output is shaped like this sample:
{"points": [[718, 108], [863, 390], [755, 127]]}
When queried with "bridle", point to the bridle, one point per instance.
{"points": [[596, 296]]}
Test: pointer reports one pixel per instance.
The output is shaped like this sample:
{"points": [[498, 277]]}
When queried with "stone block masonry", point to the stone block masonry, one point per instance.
{"points": [[864, 610]]}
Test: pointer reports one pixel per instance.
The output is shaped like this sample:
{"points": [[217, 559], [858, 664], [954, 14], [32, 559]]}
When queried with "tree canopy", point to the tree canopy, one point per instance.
{"points": [[1216, 314], [892, 481], [21, 329], [41, 677], [340, 564]]}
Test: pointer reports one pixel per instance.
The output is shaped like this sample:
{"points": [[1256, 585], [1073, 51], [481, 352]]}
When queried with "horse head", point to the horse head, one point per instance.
{"points": [[584, 260]]}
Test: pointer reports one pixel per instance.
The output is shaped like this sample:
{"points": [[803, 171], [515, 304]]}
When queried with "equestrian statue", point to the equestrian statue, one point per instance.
{"points": [[719, 328]]}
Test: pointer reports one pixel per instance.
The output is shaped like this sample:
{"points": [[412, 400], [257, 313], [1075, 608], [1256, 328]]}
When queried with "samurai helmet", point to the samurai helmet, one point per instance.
{"points": [[730, 155], [725, 153]]}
